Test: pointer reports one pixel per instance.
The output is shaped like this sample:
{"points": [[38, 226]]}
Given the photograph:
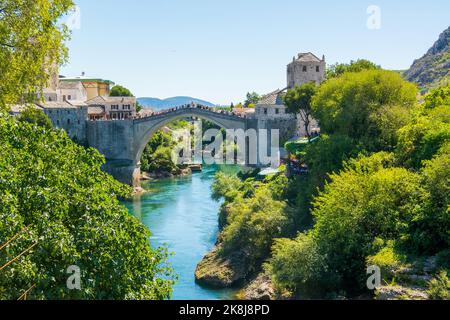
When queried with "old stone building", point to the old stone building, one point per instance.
{"points": [[70, 116], [271, 113], [84, 88], [111, 108], [306, 68]]}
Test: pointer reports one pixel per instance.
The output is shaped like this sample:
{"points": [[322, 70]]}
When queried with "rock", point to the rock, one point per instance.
{"points": [[221, 272], [259, 289], [432, 69], [145, 176], [429, 265], [401, 293]]}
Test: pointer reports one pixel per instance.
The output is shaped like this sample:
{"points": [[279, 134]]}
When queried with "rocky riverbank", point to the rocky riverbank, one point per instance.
{"points": [[218, 271], [148, 176]]}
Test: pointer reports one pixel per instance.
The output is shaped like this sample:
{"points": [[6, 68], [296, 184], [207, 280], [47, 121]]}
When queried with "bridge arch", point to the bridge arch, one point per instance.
{"points": [[145, 128], [122, 142]]}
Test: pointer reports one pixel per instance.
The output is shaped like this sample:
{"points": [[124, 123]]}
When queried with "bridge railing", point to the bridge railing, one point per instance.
{"points": [[195, 107]]}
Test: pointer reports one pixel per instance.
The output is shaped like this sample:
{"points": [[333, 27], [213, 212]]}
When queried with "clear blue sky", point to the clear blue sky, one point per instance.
{"points": [[219, 50]]}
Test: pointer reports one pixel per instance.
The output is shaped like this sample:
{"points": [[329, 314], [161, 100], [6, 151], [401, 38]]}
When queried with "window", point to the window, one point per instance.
{"points": [[317, 69], [265, 110], [304, 68], [68, 121], [277, 111], [115, 107], [69, 97]]}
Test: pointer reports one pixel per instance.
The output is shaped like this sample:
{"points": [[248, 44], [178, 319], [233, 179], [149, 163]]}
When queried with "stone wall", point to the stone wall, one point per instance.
{"points": [[297, 76], [72, 120]]}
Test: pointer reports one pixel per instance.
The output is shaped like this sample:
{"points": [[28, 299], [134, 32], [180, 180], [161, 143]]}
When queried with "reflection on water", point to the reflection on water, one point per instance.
{"points": [[181, 214]]}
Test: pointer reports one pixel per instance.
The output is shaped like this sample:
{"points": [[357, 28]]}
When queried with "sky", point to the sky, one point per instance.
{"points": [[220, 50]]}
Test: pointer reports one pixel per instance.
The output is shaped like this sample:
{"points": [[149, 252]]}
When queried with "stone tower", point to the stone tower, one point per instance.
{"points": [[305, 68]]}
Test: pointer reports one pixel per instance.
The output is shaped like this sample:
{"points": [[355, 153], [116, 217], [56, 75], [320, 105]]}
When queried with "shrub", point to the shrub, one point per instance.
{"points": [[71, 206], [439, 287], [254, 222], [296, 264]]}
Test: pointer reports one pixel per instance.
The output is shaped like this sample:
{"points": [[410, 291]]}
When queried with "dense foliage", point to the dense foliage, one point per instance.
{"points": [[252, 99], [57, 188], [368, 107], [157, 156], [37, 117], [397, 198], [31, 46], [252, 216], [359, 65], [376, 192], [298, 101]]}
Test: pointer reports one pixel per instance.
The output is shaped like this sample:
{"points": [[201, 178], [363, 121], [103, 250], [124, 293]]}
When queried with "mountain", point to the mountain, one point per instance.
{"points": [[160, 104], [433, 69]]}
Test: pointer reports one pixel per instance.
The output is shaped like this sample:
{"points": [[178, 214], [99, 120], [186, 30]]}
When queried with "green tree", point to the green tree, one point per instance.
{"points": [[31, 47], [438, 97], [297, 265], [120, 91], [421, 139], [71, 206], [431, 230], [225, 186], [252, 99], [359, 65], [369, 199], [298, 101], [359, 105], [157, 156], [253, 223], [35, 116]]}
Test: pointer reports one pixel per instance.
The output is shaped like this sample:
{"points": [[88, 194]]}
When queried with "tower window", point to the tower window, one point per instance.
{"points": [[304, 68]]}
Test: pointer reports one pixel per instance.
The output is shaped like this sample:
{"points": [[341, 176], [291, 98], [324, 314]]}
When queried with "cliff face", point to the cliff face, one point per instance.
{"points": [[433, 69]]}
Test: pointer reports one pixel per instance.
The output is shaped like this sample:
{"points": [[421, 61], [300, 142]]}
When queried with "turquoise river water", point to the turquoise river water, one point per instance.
{"points": [[181, 214]]}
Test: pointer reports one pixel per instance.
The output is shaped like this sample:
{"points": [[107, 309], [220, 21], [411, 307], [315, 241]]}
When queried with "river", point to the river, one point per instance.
{"points": [[181, 215]]}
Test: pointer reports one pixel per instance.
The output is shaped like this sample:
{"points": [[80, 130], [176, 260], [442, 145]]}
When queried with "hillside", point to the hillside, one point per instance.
{"points": [[158, 104], [433, 69]]}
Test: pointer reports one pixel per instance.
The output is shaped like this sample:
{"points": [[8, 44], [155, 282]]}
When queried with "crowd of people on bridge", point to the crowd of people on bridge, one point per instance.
{"points": [[191, 106]]}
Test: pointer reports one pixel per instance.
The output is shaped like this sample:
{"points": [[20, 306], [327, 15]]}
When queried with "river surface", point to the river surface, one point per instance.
{"points": [[181, 215]]}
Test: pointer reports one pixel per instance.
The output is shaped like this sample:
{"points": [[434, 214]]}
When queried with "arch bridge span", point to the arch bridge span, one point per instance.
{"points": [[122, 142]]}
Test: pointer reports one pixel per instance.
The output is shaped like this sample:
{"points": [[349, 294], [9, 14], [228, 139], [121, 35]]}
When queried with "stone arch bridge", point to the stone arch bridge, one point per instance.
{"points": [[122, 142]]}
